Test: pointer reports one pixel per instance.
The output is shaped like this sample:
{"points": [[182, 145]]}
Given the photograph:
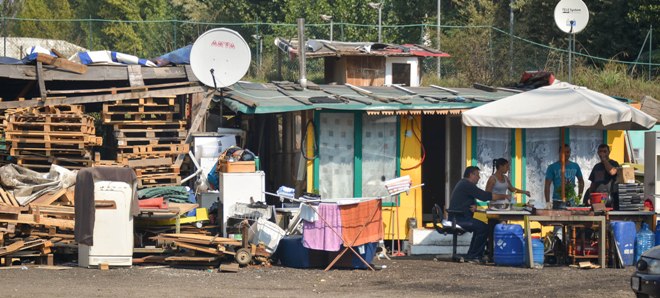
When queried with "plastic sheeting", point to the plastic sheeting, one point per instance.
{"points": [[27, 185]]}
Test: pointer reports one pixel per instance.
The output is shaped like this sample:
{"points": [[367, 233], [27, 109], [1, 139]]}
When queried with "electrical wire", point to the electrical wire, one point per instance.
{"points": [[303, 142], [412, 119]]}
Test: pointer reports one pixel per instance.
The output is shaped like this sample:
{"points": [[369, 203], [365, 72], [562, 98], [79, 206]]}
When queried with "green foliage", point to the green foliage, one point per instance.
{"points": [[36, 9]]}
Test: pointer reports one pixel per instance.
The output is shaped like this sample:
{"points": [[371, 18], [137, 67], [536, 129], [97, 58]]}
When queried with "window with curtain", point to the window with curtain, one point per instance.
{"points": [[336, 153], [584, 148], [542, 149], [378, 154], [492, 143]]}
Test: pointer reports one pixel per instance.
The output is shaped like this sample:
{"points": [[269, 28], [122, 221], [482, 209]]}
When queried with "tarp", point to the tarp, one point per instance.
{"points": [[559, 105], [27, 185]]}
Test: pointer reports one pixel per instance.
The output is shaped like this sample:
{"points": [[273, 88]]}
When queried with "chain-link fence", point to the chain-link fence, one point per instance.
{"points": [[479, 53]]}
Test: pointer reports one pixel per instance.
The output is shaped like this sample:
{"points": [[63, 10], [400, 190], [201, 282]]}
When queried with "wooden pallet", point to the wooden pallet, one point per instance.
{"points": [[48, 137], [155, 149], [151, 133], [167, 100], [158, 180], [151, 125], [48, 151], [15, 145], [51, 127], [157, 171], [131, 118], [137, 108]]}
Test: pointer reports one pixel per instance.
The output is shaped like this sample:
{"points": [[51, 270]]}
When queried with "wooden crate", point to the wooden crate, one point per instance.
{"points": [[237, 166]]}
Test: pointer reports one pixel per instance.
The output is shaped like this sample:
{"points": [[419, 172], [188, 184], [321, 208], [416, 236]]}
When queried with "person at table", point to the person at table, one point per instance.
{"points": [[603, 175], [499, 182], [463, 204], [553, 176]]}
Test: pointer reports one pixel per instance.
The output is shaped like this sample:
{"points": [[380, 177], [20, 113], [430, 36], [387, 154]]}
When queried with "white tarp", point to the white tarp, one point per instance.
{"points": [[27, 185], [559, 105]]}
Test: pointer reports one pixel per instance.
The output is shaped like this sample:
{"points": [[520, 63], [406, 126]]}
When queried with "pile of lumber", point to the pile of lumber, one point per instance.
{"points": [[149, 137], [4, 145], [30, 231], [206, 250], [61, 135]]}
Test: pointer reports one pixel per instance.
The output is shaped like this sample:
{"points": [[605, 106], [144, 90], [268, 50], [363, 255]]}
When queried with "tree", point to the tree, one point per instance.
{"points": [[44, 28]]}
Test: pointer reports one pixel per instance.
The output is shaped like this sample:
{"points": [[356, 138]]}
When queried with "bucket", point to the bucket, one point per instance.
{"points": [[508, 245], [624, 236], [538, 251], [598, 197]]}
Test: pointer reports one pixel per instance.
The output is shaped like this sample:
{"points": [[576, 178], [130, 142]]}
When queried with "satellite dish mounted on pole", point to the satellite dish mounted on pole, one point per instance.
{"points": [[220, 57], [571, 16]]}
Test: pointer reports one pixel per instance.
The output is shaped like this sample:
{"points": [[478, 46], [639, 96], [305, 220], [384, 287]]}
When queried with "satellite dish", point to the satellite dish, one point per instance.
{"points": [[571, 16], [220, 57]]}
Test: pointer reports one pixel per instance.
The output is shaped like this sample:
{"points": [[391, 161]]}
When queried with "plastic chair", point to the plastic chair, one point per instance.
{"points": [[454, 229]]}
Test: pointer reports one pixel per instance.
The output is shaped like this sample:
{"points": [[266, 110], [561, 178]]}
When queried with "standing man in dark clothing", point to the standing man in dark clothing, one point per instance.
{"points": [[464, 202], [603, 175]]}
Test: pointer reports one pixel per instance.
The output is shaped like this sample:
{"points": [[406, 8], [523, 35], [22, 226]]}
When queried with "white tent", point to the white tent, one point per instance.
{"points": [[559, 105]]}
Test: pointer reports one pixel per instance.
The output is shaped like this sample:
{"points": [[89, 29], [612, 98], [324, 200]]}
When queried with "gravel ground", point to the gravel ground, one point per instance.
{"points": [[403, 276]]}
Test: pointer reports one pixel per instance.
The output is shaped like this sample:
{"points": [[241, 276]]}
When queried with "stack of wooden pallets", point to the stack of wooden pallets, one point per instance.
{"points": [[29, 232], [4, 146], [148, 137], [61, 135]]}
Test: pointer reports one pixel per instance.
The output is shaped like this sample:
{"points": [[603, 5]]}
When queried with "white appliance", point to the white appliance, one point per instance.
{"points": [[239, 188], [113, 227], [208, 148]]}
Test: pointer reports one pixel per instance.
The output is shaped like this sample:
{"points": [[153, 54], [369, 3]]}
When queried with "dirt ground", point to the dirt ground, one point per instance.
{"points": [[402, 277]]}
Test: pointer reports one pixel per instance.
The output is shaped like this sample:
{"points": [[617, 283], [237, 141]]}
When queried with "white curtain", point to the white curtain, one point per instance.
{"points": [[378, 154], [584, 148], [336, 155], [542, 149], [492, 143]]}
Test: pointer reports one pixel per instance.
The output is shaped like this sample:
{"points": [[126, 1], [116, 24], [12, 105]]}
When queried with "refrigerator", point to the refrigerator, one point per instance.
{"points": [[113, 227], [239, 188]]}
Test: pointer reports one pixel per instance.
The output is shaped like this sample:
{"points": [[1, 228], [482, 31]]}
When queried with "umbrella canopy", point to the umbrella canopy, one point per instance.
{"points": [[559, 105]]}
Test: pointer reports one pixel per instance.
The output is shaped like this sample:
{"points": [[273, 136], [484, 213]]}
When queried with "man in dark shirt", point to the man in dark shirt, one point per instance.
{"points": [[463, 203], [603, 175]]}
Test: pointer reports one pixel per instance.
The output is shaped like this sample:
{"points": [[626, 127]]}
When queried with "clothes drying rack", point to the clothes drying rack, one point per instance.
{"points": [[394, 187]]}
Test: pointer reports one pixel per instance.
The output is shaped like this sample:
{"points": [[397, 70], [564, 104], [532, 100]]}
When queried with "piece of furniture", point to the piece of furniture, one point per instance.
{"points": [[113, 227], [453, 229], [239, 188]]}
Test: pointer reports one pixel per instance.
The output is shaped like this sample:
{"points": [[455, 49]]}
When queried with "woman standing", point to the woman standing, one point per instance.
{"points": [[498, 182]]}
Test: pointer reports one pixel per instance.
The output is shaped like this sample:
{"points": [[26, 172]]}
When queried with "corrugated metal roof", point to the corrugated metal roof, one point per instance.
{"points": [[325, 48], [265, 98]]}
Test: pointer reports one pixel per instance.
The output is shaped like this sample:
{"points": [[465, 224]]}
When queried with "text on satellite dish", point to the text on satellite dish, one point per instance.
{"points": [[223, 44]]}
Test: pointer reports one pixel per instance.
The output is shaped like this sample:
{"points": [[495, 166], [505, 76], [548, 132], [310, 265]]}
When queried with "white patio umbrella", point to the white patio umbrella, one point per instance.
{"points": [[559, 105]]}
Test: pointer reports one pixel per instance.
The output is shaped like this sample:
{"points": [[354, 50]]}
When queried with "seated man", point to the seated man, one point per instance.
{"points": [[463, 203]]}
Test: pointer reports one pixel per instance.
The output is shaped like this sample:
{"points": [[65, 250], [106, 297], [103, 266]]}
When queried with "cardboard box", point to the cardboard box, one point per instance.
{"points": [[625, 174], [237, 166]]}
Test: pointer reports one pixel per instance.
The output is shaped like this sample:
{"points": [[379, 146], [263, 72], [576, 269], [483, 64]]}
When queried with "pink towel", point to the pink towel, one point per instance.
{"points": [[317, 235]]}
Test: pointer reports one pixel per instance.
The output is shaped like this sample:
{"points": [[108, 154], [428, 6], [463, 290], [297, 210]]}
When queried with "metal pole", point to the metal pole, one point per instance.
{"points": [[438, 32], [90, 39], [511, 38], [301, 52], [261, 50], [174, 24], [4, 33], [331, 23], [650, 43], [570, 59], [380, 13]]}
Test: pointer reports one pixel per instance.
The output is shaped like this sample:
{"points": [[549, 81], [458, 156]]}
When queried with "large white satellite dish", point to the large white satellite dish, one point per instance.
{"points": [[571, 16], [220, 57]]}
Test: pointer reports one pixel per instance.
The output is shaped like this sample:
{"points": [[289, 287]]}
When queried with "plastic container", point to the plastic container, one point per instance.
{"points": [[538, 251], [508, 245], [624, 235], [644, 241], [292, 253], [267, 232], [598, 197], [350, 260], [657, 233]]}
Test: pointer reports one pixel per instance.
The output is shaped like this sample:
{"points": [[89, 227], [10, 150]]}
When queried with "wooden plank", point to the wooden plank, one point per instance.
{"points": [[52, 197], [94, 73], [62, 63], [11, 247], [69, 196], [153, 162], [203, 249], [201, 114], [100, 98], [135, 75], [191, 259], [232, 267], [208, 239], [40, 80]]}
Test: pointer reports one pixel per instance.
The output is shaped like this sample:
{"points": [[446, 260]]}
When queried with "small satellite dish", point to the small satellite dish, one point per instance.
{"points": [[571, 16], [220, 57]]}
